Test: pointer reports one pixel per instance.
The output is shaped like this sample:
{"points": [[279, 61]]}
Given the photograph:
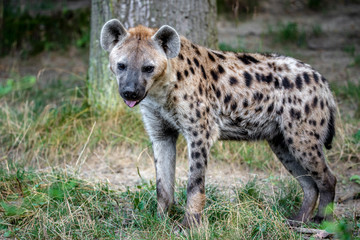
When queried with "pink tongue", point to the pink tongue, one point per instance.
{"points": [[130, 103]]}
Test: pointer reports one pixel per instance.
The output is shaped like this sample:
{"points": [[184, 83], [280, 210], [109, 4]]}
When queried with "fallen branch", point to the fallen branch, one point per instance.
{"points": [[319, 234]]}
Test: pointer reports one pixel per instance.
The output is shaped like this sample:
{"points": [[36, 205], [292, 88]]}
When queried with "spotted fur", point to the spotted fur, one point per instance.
{"points": [[208, 95]]}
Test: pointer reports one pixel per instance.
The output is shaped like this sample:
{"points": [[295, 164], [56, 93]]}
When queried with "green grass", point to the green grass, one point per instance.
{"points": [[58, 204], [288, 33], [50, 125]]}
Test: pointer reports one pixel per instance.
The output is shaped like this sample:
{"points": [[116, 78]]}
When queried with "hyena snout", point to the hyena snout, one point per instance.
{"points": [[132, 94]]}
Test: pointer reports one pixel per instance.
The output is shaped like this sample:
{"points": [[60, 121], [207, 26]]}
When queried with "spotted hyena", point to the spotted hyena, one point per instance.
{"points": [[208, 95]]}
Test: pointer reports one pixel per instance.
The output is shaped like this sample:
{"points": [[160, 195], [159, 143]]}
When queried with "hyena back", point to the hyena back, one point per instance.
{"points": [[208, 95]]}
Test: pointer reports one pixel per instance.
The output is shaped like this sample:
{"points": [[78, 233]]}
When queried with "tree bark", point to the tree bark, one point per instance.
{"points": [[194, 19]]}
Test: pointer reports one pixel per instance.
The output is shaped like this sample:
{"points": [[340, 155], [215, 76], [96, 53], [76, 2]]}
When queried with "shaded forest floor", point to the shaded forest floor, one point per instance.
{"points": [[46, 125]]}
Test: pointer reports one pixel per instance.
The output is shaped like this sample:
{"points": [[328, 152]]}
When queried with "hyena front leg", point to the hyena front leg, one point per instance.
{"points": [[198, 148], [163, 137]]}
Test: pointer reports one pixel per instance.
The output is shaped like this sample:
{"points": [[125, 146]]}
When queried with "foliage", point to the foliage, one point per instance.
{"points": [[57, 204], [289, 33], [33, 33]]}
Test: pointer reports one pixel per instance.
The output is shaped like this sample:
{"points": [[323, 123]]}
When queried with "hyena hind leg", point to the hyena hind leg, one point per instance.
{"points": [[311, 157], [307, 183]]}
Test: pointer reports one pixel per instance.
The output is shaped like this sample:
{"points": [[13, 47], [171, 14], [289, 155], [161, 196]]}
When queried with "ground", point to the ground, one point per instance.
{"points": [[331, 47]]}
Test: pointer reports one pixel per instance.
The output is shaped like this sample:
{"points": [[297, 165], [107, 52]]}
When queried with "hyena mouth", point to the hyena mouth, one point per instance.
{"points": [[133, 103]]}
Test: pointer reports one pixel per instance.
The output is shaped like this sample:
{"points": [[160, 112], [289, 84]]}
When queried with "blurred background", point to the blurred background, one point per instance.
{"points": [[50, 117]]}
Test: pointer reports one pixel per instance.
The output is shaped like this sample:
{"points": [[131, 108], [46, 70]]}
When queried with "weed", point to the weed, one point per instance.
{"points": [[350, 49], [317, 30], [57, 204], [290, 33]]}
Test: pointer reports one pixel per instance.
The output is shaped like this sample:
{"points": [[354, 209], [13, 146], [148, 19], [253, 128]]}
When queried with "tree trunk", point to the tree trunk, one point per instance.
{"points": [[195, 19]]}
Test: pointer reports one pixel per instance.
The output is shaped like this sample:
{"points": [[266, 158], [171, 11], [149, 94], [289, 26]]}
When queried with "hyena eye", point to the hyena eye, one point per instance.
{"points": [[148, 69], [121, 66]]}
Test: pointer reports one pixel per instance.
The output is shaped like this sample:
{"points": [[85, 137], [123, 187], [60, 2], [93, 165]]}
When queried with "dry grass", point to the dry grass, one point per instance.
{"points": [[40, 131]]}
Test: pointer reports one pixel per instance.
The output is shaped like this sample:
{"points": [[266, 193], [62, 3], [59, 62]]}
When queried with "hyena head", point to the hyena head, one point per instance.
{"points": [[138, 57]]}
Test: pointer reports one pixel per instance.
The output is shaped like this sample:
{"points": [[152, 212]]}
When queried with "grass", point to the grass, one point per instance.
{"points": [[57, 204], [50, 125]]}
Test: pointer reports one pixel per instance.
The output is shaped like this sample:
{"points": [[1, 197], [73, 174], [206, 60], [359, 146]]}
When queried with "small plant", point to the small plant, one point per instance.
{"points": [[355, 178], [289, 33], [342, 229], [12, 85], [317, 30]]}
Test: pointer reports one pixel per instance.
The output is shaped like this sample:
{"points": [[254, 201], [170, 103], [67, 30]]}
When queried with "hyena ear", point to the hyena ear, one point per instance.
{"points": [[169, 40], [111, 33]]}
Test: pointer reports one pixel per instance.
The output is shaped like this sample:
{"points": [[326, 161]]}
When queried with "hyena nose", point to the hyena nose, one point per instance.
{"points": [[131, 95]]}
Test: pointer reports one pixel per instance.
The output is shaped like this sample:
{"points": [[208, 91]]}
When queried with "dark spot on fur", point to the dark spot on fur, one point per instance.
{"points": [[218, 93], [316, 78], [181, 57], [307, 109], [315, 101], [322, 122], [280, 111], [221, 69], [198, 181], [198, 115], [227, 98], [200, 90], [203, 72], [298, 82], [286, 83], [233, 80], [323, 79], [258, 96], [319, 153], [267, 79], [196, 154], [290, 141], [196, 62], [192, 70], [245, 103], [186, 72], [203, 151], [198, 165], [179, 76], [248, 79], [270, 108], [214, 75], [257, 76], [247, 59], [295, 114], [207, 135], [314, 173], [306, 78], [188, 61], [317, 136], [195, 133], [219, 55], [233, 106], [276, 83], [211, 57], [258, 109], [322, 104]]}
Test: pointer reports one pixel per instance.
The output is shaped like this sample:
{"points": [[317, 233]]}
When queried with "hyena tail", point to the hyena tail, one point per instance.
{"points": [[331, 130]]}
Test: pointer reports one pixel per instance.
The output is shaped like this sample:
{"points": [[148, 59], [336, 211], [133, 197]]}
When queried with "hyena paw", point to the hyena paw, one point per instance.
{"points": [[191, 220]]}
